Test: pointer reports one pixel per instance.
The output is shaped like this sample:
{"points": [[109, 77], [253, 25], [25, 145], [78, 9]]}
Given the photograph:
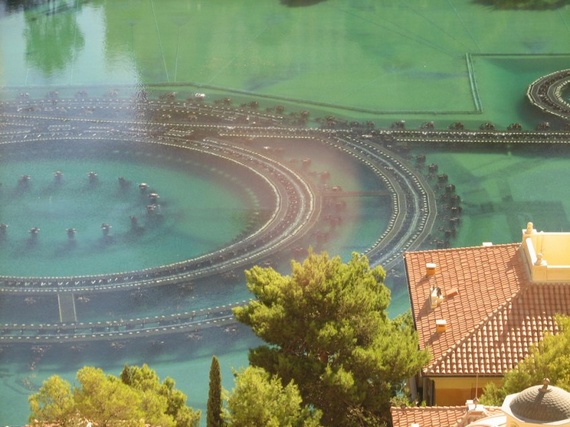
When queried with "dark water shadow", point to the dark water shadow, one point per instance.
{"points": [[523, 4], [113, 354], [533, 116], [300, 3]]}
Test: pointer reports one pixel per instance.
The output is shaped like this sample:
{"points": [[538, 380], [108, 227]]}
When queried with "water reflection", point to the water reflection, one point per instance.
{"points": [[298, 3], [53, 37], [51, 6], [13, 6]]}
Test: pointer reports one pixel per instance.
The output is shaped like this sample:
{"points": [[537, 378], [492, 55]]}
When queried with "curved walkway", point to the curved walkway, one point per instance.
{"points": [[298, 203], [546, 93], [71, 332]]}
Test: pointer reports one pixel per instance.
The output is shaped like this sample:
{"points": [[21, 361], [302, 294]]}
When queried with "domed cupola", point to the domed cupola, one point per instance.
{"points": [[539, 404]]}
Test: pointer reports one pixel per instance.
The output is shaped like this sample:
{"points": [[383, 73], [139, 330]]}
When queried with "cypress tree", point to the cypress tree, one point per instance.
{"points": [[214, 414]]}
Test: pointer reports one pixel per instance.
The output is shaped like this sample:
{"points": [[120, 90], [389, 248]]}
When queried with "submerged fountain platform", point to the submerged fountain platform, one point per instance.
{"points": [[249, 145]]}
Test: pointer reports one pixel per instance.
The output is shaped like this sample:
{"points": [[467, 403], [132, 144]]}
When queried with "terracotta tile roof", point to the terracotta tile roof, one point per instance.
{"points": [[495, 316], [442, 416], [435, 416]]}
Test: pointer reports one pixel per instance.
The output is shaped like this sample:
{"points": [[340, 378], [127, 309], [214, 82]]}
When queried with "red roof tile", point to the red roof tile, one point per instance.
{"points": [[494, 318], [435, 416]]}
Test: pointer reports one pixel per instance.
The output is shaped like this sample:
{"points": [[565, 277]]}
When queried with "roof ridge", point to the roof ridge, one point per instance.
{"points": [[461, 248], [433, 408], [471, 333]]}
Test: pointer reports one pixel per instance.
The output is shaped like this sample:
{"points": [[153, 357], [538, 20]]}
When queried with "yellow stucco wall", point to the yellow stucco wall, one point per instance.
{"points": [[547, 255], [453, 391]]}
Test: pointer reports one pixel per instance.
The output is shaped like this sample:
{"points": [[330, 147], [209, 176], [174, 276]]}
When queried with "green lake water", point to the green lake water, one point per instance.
{"points": [[197, 211], [416, 60]]}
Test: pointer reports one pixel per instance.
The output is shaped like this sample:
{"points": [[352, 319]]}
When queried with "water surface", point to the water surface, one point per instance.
{"points": [[417, 60]]}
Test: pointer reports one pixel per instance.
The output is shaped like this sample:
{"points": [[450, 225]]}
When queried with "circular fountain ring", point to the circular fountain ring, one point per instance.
{"points": [[295, 210], [546, 93], [164, 124]]}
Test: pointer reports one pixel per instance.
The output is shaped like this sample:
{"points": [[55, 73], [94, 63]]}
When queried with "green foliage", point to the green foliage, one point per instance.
{"points": [[327, 329], [214, 411], [145, 379], [550, 358], [134, 399], [104, 399], [53, 403], [492, 395], [260, 400]]}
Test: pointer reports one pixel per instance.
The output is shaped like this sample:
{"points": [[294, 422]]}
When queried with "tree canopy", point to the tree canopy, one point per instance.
{"points": [[327, 329], [135, 398], [53, 402], [260, 400], [550, 358], [146, 380]]}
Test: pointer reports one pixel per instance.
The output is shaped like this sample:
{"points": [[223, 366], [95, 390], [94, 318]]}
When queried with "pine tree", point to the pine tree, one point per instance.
{"points": [[214, 411], [327, 329]]}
